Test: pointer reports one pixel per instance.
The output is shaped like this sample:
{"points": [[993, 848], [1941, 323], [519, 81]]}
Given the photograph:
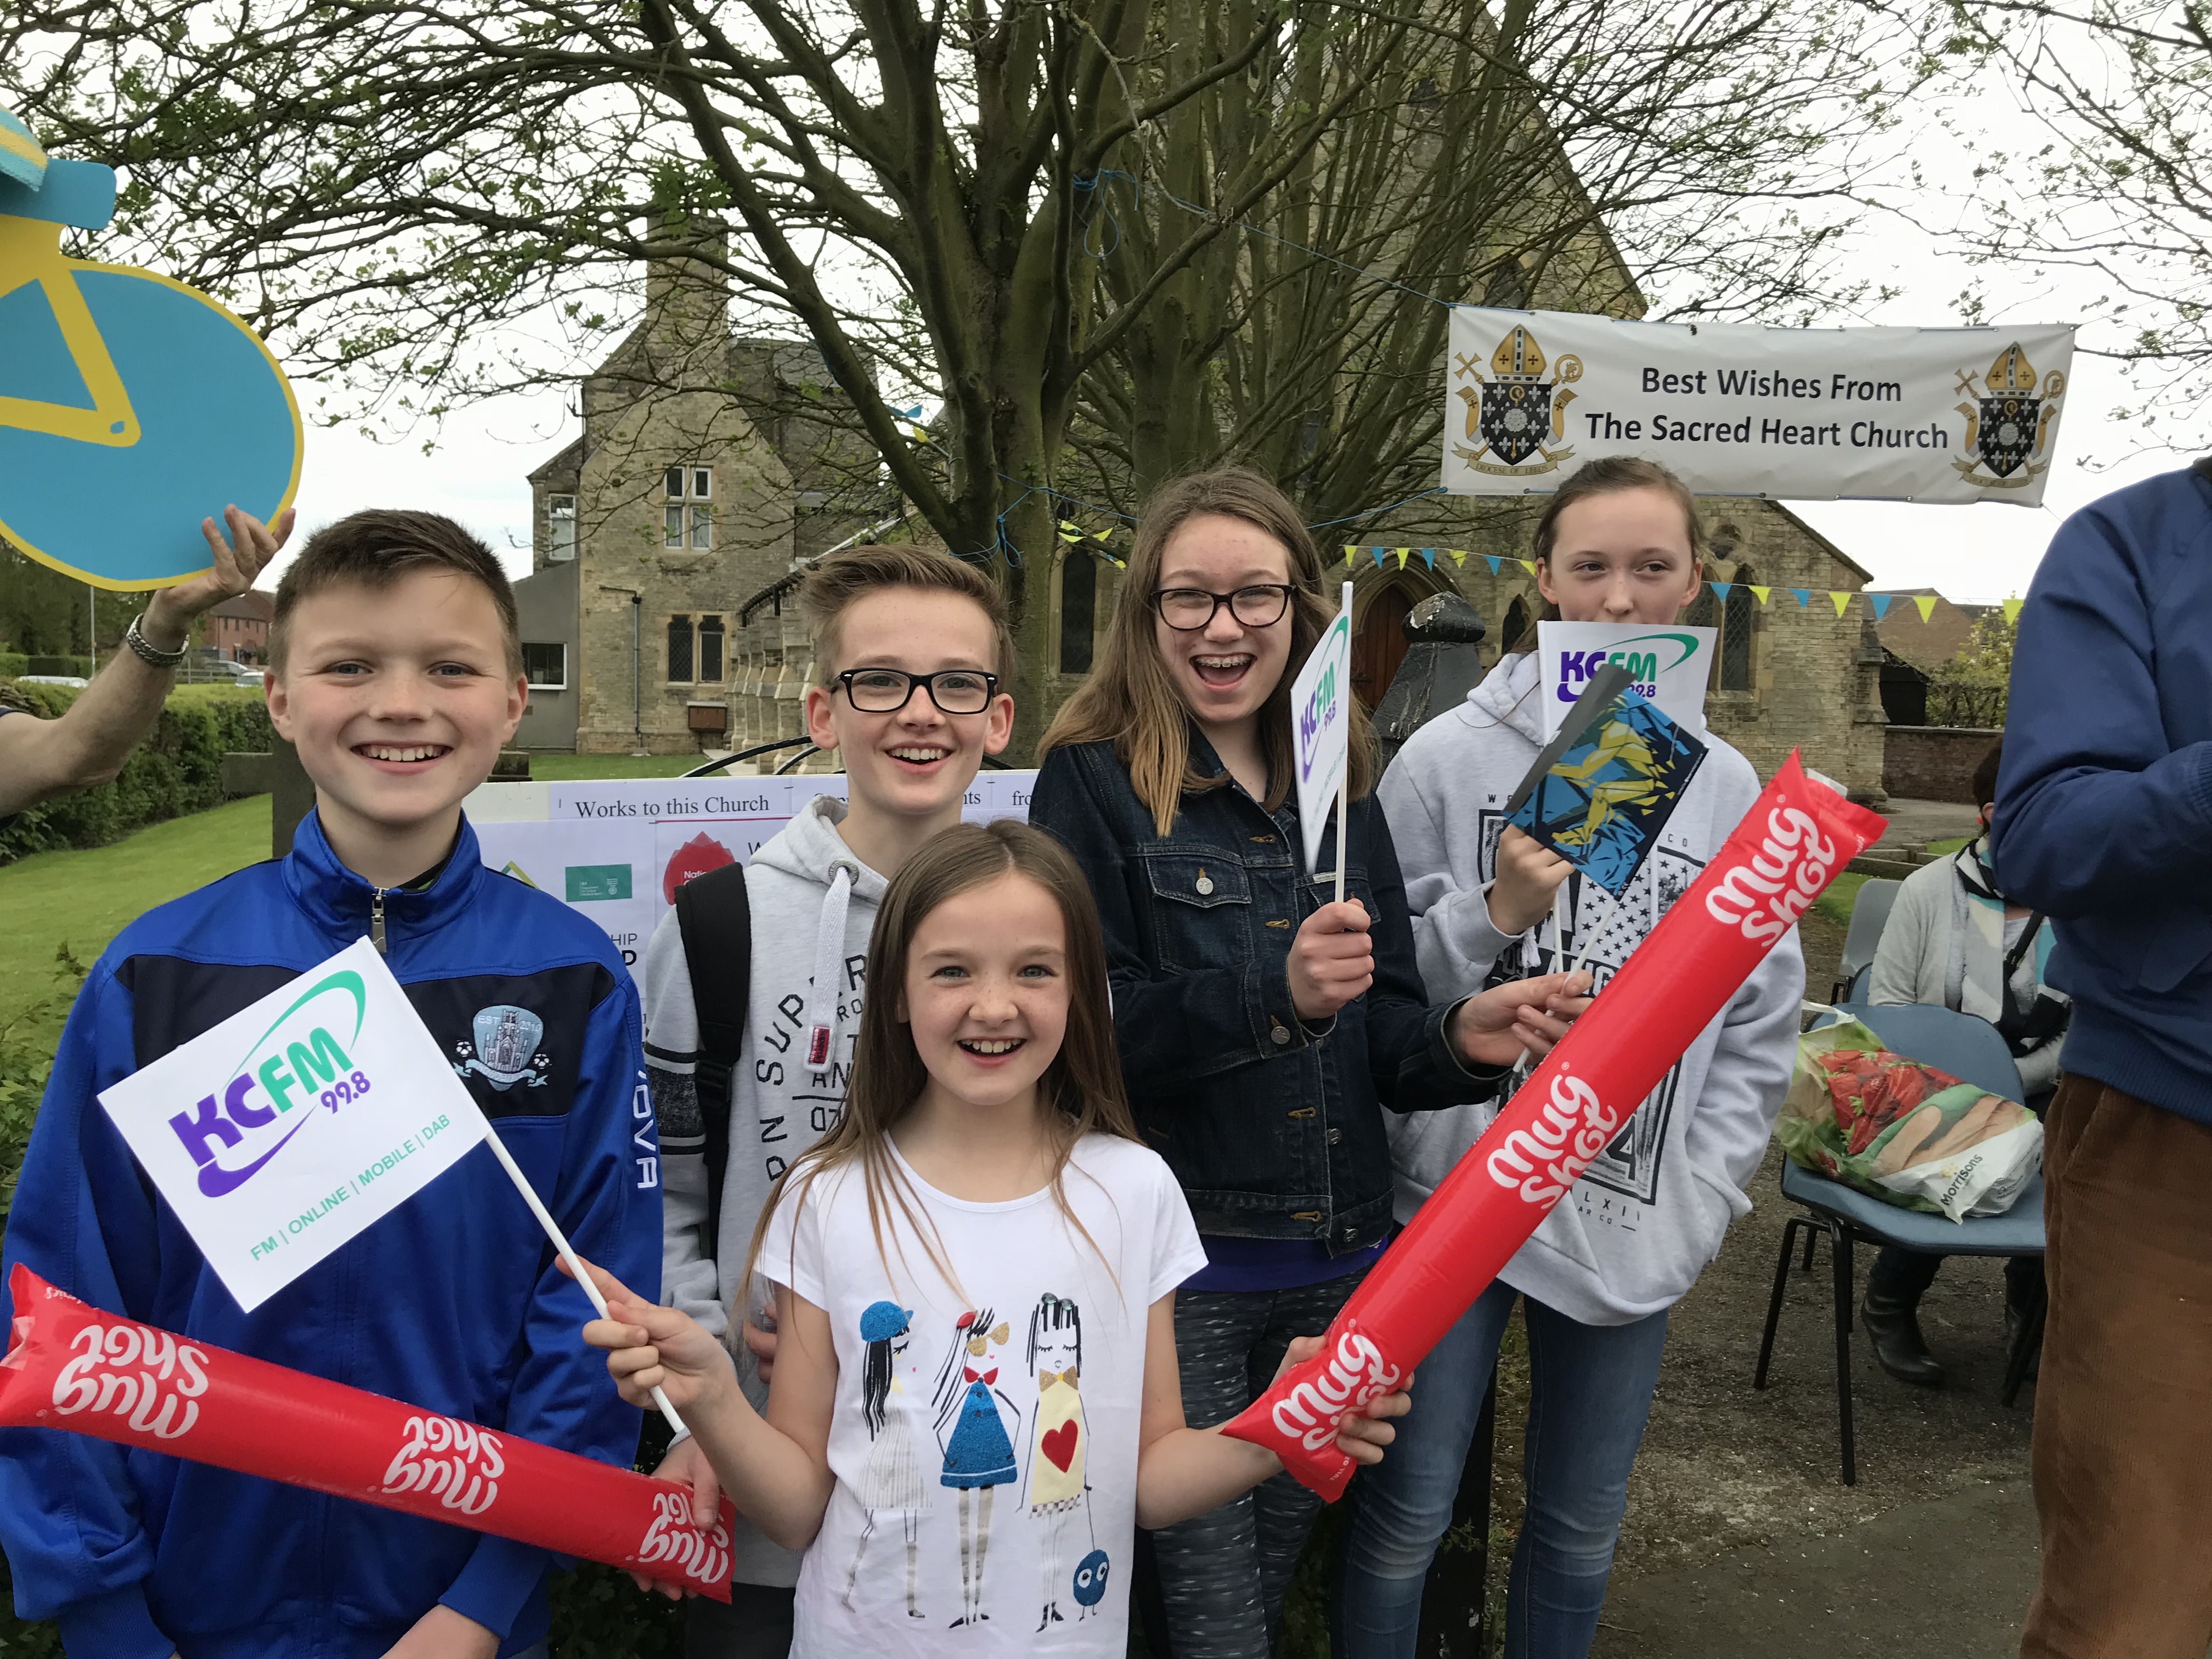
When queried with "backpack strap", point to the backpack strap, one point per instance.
{"points": [[714, 912]]}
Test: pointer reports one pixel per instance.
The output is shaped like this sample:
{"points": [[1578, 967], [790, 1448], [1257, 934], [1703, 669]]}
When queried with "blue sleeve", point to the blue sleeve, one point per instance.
{"points": [[1196, 1023], [2094, 808], [608, 1203], [69, 1509]]}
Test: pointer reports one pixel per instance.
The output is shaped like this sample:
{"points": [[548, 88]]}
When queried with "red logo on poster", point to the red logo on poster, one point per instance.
{"points": [[695, 857]]}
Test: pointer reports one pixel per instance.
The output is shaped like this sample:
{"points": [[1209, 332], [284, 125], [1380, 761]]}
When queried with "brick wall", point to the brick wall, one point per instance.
{"points": [[1933, 762]]}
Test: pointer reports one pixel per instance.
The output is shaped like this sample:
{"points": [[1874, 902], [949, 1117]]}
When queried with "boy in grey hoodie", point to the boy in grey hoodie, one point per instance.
{"points": [[912, 650], [1620, 542]]}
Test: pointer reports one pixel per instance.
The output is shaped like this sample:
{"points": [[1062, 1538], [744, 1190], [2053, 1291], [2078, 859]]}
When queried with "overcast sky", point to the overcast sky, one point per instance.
{"points": [[1981, 552]]}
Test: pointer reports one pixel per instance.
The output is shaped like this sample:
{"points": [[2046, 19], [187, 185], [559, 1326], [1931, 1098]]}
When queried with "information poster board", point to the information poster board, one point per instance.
{"points": [[618, 848]]}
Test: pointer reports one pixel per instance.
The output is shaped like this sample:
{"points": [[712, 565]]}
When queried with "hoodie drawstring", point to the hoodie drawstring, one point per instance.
{"points": [[829, 961]]}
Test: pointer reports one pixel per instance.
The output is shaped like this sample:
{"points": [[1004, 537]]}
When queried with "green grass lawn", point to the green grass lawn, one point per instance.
{"points": [[83, 899]]}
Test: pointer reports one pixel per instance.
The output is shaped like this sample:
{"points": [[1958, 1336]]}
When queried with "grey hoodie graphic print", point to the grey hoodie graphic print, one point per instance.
{"points": [[813, 907], [1649, 1213]]}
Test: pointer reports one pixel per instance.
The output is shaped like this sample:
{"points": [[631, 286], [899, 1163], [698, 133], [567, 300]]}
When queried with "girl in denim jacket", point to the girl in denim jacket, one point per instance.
{"points": [[1263, 1030]]}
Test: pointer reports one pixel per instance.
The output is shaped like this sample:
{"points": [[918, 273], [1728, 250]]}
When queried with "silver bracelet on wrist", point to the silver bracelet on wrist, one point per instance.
{"points": [[146, 654]]}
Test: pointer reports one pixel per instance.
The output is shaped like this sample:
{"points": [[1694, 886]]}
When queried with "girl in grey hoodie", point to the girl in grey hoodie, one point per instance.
{"points": [[1621, 542]]}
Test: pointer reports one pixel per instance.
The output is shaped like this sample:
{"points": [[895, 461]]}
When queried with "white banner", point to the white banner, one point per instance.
{"points": [[1804, 413], [617, 849], [1668, 667], [298, 1122], [1320, 725]]}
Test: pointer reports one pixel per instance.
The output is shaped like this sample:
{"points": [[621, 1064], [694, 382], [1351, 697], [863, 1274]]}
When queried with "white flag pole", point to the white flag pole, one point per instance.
{"points": [[567, 1251], [1597, 933], [1344, 778]]}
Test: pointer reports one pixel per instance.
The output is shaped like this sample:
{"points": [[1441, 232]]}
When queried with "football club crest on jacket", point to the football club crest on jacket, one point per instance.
{"points": [[1516, 413], [2009, 422], [504, 1051]]}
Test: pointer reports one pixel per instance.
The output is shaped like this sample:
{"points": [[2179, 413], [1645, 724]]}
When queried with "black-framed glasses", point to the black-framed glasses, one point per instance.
{"points": [[887, 690], [1189, 609]]}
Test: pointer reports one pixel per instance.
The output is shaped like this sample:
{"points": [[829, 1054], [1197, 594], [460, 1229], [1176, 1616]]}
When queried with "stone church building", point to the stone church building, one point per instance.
{"points": [[673, 532], [706, 463]]}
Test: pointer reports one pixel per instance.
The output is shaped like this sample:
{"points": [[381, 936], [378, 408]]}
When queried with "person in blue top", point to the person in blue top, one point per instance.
{"points": [[1263, 1028], [397, 675], [2104, 823]]}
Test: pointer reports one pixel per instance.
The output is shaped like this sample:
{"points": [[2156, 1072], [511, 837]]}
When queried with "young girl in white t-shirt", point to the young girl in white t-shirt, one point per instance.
{"points": [[976, 1398]]}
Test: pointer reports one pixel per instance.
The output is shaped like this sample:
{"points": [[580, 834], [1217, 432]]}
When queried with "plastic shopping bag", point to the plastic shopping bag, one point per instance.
{"points": [[1902, 1132]]}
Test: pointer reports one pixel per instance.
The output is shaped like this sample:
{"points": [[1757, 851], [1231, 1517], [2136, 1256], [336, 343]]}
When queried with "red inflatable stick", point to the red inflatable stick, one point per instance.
{"points": [[1796, 838], [70, 1366]]}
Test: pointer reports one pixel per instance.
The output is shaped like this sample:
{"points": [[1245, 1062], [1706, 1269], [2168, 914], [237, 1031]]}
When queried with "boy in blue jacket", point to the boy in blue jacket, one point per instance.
{"points": [[396, 671], [2104, 821]]}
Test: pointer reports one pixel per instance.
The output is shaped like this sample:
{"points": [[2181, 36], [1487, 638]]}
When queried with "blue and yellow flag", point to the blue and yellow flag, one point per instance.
{"points": [[1602, 802]]}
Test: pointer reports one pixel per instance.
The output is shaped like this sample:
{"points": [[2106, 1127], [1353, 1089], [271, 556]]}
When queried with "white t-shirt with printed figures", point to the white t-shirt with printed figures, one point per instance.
{"points": [[984, 1439]]}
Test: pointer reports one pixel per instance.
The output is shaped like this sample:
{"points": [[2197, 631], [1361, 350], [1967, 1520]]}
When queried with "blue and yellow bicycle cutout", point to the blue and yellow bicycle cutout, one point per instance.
{"points": [[131, 405]]}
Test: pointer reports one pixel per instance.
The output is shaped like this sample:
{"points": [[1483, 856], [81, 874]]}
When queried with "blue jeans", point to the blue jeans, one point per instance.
{"points": [[1591, 1393]]}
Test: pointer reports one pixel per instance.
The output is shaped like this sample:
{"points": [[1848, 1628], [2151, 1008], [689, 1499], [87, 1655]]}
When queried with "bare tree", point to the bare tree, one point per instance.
{"points": [[1606, 155], [2119, 185], [1108, 238]]}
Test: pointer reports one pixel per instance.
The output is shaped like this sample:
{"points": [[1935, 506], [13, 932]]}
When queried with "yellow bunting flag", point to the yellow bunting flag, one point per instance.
{"points": [[1759, 593], [1458, 554], [1403, 553], [1841, 600], [1348, 552], [1529, 565], [1925, 604], [2012, 610]]}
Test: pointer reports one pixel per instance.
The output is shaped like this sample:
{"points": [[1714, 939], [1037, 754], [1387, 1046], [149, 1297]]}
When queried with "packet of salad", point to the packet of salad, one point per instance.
{"points": [[1902, 1132]]}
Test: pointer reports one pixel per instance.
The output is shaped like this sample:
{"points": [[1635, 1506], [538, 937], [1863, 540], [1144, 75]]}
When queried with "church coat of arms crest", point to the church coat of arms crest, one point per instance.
{"points": [[1516, 418], [2008, 423]]}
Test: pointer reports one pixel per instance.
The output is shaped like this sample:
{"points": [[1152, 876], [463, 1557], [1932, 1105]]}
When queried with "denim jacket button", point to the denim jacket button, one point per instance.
{"points": [[1335, 1135], [1280, 1035], [1204, 883]]}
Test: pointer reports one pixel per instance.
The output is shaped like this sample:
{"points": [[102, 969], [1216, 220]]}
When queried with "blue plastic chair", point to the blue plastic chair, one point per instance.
{"points": [[1972, 1051], [1870, 909]]}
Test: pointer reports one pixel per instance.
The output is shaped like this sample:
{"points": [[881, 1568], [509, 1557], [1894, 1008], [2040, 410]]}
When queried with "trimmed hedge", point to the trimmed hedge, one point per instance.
{"points": [[177, 769], [79, 667], [13, 663]]}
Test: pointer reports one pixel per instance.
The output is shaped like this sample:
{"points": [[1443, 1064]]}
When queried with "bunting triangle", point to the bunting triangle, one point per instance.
{"points": [[1723, 589], [1839, 599], [1349, 552], [1493, 561], [1378, 552], [1925, 604], [1881, 602], [2012, 610], [1529, 565], [1761, 592], [1804, 596], [1458, 554], [1403, 553], [1428, 557]]}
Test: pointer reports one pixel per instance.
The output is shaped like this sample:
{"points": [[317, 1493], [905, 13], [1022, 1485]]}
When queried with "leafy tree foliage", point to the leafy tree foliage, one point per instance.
{"points": [[1108, 240]]}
